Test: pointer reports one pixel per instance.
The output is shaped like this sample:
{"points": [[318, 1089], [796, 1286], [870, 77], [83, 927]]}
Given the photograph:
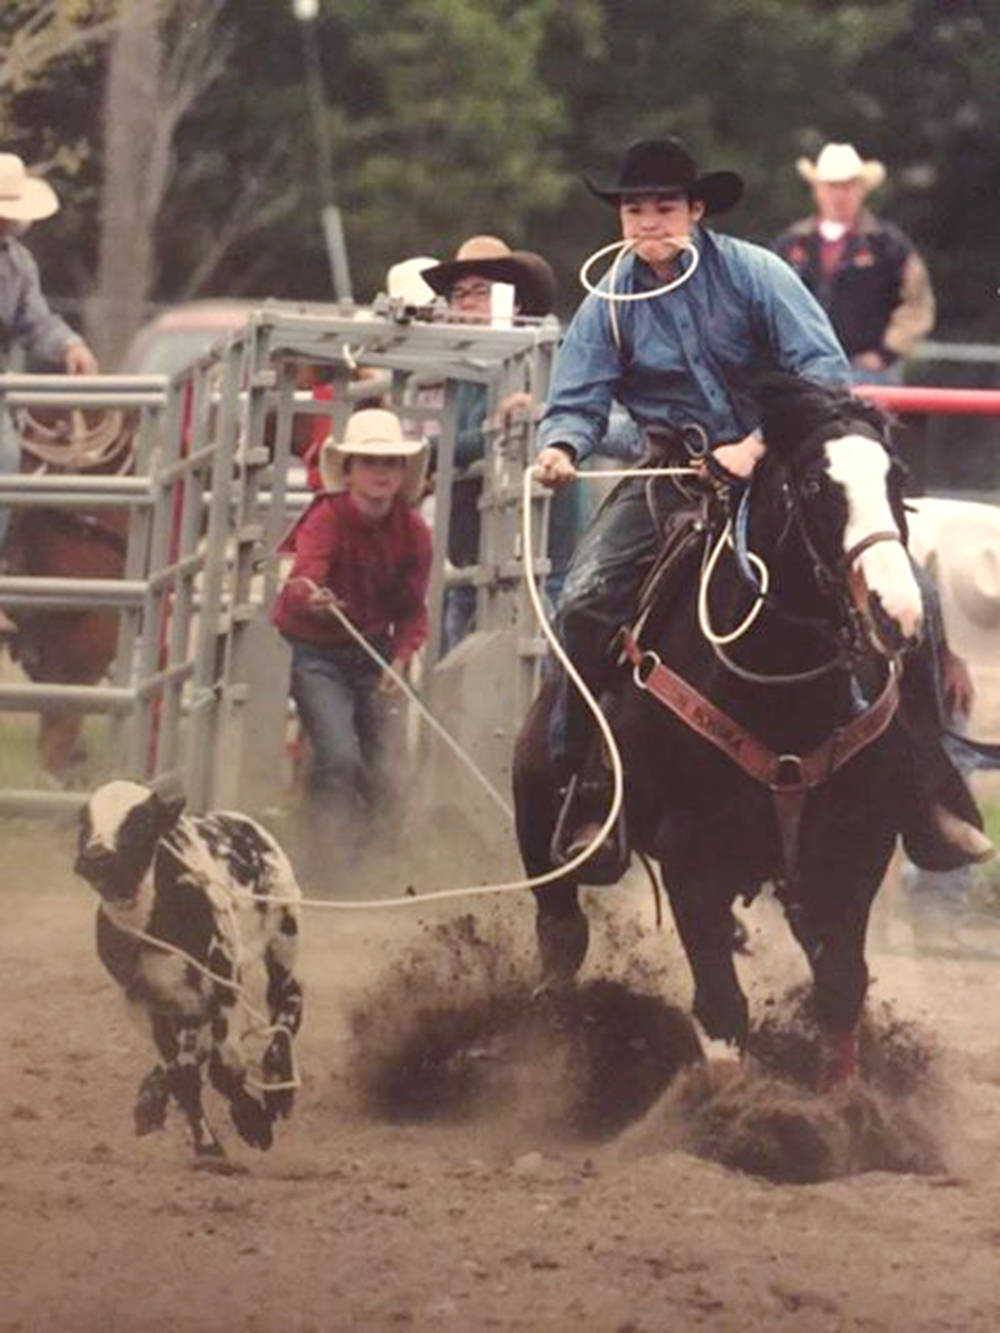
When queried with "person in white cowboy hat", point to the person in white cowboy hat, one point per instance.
{"points": [[865, 272], [362, 552], [25, 316], [957, 545], [405, 281]]}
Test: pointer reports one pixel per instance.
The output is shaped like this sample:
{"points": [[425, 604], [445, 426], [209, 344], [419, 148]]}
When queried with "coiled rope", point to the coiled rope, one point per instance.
{"points": [[615, 298]]}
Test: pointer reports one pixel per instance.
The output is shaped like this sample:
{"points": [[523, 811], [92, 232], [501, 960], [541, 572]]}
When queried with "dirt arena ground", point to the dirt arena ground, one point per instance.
{"points": [[457, 1161]]}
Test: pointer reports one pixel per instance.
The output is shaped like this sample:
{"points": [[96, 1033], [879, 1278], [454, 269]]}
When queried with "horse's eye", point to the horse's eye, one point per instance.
{"points": [[810, 487]]}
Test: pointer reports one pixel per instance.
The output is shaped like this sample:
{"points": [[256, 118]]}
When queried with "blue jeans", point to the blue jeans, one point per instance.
{"points": [[459, 615], [334, 692]]}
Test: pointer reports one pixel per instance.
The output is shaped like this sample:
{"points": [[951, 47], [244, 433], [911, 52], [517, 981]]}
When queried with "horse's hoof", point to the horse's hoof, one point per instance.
{"points": [[838, 1061], [553, 986]]}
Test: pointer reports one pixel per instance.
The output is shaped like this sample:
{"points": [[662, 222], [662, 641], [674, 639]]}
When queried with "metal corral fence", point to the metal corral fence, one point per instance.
{"points": [[198, 687]]}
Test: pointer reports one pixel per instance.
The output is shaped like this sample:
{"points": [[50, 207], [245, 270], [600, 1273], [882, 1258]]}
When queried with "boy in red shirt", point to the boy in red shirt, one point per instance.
{"points": [[361, 548]]}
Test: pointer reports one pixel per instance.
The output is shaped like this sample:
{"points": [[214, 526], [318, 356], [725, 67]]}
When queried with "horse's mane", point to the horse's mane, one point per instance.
{"points": [[794, 409]]}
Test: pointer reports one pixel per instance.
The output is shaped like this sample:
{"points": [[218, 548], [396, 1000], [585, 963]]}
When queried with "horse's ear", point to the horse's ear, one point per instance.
{"points": [[787, 405]]}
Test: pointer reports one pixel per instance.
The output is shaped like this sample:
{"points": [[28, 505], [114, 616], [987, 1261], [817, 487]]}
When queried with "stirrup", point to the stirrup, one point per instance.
{"points": [[608, 861]]}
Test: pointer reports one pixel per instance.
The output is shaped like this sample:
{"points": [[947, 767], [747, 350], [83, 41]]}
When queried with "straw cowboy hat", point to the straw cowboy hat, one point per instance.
{"points": [[405, 280], [23, 198], [488, 257], [377, 433], [658, 166], [958, 543], [839, 162]]}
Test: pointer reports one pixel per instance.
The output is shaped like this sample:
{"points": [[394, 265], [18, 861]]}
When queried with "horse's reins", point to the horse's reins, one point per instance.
{"points": [[829, 579]]}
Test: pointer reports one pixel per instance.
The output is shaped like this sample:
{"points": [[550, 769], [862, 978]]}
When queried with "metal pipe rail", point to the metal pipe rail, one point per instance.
{"points": [[84, 385], [77, 491], [71, 594], [931, 399], [102, 398], [19, 698]]}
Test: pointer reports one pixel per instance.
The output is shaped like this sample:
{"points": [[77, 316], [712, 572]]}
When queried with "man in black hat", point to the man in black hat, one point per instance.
{"points": [[682, 362]]}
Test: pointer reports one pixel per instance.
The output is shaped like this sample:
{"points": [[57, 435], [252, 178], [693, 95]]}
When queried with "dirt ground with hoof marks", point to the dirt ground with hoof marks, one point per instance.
{"points": [[464, 1155]]}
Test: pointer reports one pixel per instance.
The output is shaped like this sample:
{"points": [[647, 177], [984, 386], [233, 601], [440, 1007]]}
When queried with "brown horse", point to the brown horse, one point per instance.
{"points": [[67, 647]]}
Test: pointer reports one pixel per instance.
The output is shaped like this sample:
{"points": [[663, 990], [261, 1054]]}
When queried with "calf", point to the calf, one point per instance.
{"points": [[177, 878]]}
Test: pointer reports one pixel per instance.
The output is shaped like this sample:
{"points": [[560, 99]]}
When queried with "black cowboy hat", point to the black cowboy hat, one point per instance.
{"points": [[659, 166], [488, 257]]}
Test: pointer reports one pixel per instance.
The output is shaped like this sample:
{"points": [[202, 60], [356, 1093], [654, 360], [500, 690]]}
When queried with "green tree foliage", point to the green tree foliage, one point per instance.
{"points": [[439, 122], [449, 117]]}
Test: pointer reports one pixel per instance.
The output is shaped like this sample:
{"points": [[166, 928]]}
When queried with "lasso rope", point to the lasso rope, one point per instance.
{"points": [[81, 447], [261, 1023], [613, 297], [560, 872], [705, 583], [411, 694]]}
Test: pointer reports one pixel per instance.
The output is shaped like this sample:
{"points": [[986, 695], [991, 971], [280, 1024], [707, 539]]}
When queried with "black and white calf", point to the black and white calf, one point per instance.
{"points": [[178, 878]]}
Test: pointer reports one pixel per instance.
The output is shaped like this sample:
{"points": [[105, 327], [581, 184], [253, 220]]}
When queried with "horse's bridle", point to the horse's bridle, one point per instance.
{"points": [[832, 578]]}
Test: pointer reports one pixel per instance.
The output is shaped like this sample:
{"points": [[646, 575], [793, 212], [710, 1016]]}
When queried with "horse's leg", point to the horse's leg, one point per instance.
{"points": [[70, 649], [703, 911], [562, 932], [58, 740], [560, 924], [829, 918]]}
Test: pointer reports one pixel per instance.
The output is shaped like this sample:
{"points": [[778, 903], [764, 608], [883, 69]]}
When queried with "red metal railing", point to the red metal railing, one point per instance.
{"points": [[920, 398]]}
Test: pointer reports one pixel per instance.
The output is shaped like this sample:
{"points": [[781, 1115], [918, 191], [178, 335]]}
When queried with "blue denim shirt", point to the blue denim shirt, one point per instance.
{"points": [[690, 355], [25, 316]]}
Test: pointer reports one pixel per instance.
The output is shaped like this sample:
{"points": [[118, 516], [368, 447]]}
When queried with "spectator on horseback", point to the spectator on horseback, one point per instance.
{"points": [[25, 316], [26, 319], [865, 273], [473, 284], [679, 349], [361, 555]]}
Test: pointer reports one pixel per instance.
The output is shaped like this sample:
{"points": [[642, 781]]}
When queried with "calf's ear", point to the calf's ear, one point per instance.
{"points": [[169, 809]]}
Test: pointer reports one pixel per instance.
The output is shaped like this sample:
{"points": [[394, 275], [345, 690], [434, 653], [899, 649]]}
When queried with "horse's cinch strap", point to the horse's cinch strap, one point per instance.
{"points": [[782, 773]]}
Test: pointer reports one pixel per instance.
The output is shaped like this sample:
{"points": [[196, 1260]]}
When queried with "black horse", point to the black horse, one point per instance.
{"points": [[779, 756]]}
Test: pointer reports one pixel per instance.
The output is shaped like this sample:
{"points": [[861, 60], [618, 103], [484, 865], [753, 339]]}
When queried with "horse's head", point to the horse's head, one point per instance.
{"points": [[845, 489]]}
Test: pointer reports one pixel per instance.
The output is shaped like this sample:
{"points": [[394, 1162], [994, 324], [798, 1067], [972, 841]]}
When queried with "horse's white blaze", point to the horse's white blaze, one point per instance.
{"points": [[108, 808], [861, 467]]}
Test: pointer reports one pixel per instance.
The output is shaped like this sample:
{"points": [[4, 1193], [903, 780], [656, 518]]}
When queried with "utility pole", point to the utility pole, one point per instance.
{"points": [[306, 12]]}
